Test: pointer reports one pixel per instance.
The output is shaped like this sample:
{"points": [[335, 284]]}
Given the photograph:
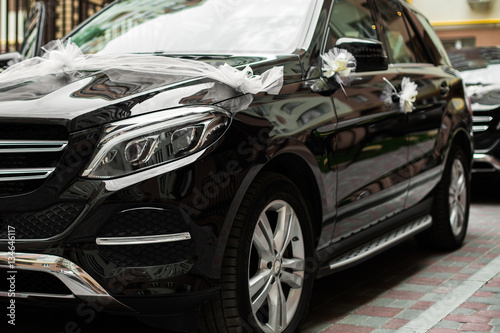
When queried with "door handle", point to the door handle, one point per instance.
{"points": [[444, 90]]}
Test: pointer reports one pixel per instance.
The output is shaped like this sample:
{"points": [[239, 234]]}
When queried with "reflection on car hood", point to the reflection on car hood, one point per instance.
{"points": [[85, 99]]}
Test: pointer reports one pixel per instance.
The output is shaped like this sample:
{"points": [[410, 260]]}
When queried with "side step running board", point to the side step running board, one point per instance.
{"points": [[381, 243]]}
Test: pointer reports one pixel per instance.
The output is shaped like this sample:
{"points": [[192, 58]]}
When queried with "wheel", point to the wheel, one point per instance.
{"points": [[450, 211], [265, 284]]}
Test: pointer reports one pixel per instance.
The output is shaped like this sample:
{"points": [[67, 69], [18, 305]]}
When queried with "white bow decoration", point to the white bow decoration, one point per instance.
{"points": [[68, 58], [248, 83], [339, 63], [65, 58], [408, 94]]}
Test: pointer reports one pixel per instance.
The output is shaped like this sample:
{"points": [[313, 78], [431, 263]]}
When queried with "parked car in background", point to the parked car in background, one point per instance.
{"points": [[130, 184], [480, 70]]}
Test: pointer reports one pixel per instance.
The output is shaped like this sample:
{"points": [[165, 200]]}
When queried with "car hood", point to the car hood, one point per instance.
{"points": [[86, 99], [483, 87]]}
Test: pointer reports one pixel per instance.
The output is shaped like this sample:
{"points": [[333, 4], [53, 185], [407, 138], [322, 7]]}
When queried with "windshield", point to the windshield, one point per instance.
{"points": [[197, 27]]}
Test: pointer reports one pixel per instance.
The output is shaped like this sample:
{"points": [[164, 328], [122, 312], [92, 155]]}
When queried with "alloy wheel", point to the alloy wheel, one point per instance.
{"points": [[457, 197], [276, 267]]}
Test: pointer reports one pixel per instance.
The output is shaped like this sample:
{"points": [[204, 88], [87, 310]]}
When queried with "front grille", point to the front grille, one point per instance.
{"points": [[33, 131], [31, 160], [147, 222], [29, 154], [486, 125], [33, 282], [46, 223], [485, 140]]}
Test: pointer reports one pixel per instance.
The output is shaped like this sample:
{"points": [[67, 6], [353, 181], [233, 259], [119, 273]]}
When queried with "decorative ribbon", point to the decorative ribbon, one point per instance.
{"points": [[67, 58]]}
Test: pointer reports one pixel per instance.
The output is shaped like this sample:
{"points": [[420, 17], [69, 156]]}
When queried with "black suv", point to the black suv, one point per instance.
{"points": [[145, 188]]}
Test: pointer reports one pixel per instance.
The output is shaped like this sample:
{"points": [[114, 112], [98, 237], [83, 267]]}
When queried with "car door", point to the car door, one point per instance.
{"points": [[370, 150], [427, 128]]}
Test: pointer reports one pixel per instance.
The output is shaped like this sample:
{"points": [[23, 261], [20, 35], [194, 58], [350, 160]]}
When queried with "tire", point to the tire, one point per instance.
{"points": [[450, 210], [260, 277]]}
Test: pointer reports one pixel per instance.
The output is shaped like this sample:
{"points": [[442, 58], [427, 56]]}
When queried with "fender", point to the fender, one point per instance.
{"points": [[262, 162]]}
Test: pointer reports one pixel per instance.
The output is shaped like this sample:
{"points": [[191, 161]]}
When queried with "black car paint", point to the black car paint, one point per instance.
{"points": [[348, 165]]}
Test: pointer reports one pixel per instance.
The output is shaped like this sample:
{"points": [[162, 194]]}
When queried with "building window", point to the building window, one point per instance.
{"points": [[458, 43]]}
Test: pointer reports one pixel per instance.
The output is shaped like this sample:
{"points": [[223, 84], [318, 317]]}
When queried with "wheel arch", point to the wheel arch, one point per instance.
{"points": [[298, 171], [298, 167], [463, 139]]}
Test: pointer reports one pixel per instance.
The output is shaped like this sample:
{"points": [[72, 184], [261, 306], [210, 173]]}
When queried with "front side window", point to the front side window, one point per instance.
{"points": [[352, 18], [197, 27], [395, 31]]}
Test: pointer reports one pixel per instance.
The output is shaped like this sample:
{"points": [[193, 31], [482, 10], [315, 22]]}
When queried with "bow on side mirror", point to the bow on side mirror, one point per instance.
{"points": [[350, 55]]}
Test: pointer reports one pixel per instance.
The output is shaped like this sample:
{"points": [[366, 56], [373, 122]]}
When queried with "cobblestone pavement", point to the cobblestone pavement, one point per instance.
{"points": [[405, 289], [408, 289]]}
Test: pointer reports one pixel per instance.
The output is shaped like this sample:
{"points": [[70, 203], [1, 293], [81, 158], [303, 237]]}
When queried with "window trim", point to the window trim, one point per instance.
{"points": [[410, 21], [407, 20], [327, 30]]}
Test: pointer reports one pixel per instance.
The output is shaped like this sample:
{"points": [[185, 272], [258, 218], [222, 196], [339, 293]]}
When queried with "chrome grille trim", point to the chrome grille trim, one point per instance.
{"points": [[8, 175], [31, 146], [143, 239], [482, 119], [480, 128]]}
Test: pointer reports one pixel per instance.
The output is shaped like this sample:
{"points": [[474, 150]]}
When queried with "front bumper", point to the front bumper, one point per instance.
{"points": [[150, 243], [78, 282]]}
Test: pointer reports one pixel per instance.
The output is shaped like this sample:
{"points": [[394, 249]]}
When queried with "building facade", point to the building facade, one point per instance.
{"points": [[62, 17], [463, 23]]}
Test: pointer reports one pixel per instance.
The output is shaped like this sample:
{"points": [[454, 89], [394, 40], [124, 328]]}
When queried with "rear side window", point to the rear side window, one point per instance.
{"points": [[432, 41], [421, 50], [352, 18], [401, 49]]}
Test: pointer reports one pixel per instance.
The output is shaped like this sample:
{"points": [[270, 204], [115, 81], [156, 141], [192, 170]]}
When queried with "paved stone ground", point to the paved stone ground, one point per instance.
{"points": [[408, 289]]}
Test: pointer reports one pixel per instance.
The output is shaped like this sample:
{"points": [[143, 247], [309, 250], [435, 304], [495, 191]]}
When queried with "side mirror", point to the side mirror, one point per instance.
{"points": [[370, 54]]}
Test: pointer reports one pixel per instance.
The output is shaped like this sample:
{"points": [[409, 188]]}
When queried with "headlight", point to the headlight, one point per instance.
{"points": [[143, 142]]}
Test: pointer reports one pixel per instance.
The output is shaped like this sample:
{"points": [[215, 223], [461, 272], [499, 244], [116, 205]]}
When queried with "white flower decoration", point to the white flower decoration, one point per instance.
{"points": [[408, 94], [339, 63], [65, 58]]}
